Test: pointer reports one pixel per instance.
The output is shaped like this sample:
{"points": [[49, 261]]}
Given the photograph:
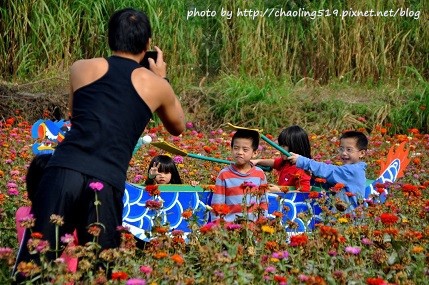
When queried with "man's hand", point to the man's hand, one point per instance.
{"points": [[159, 67]]}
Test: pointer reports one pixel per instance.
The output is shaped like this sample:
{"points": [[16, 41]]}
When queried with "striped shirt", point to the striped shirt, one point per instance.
{"points": [[229, 190]]}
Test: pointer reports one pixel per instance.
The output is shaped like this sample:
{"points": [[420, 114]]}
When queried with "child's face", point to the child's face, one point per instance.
{"points": [[286, 148], [242, 151], [163, 178], [349, 152]]}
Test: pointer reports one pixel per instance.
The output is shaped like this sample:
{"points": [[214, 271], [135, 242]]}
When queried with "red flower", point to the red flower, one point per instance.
{"points": [[313, 195], [298, 240], [388, 219], [376, 281], [154, 204], [36, 235], [409, 189], [280, 279], [207, 149], [220, 209], [119, 275], [152, 190], [207, 227]]}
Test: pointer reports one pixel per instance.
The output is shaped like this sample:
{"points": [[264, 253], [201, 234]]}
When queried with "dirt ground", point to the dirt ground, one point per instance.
{"points": [[32, 101]]}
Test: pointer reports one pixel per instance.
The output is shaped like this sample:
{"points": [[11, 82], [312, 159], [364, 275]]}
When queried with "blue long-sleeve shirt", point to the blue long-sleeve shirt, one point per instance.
{"points": [[351, 175]]}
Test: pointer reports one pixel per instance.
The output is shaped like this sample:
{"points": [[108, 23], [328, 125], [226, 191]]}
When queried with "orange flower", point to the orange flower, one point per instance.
{"points": [[160, 255], [207, 149], [160, 230], [413, 131], [313, 195], [417, 249], [337, 187], [271, 245], [320, 180], [178, 259], [187, 214], [220, 209], [277, 214]]}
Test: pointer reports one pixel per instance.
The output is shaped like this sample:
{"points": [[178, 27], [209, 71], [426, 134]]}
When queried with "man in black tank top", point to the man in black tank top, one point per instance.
{"points": [[111, 102]]}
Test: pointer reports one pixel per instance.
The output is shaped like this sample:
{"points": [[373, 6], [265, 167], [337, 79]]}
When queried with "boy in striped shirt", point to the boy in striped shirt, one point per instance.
{"points": [[239, 184]]}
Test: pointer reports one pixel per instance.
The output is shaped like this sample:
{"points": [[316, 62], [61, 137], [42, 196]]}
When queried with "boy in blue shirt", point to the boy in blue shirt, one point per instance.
{"points": [[353, 146]]}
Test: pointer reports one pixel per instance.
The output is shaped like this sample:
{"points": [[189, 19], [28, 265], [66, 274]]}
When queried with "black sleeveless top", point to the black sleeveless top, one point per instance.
{"points": [[108, 119]]}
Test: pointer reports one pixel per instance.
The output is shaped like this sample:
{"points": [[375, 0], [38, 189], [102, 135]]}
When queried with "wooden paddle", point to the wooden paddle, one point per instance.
{"points": [[270, 142], [177, 151]]}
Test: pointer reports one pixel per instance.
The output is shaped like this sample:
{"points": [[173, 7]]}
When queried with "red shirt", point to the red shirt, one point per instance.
{"points": [[290, 175]]}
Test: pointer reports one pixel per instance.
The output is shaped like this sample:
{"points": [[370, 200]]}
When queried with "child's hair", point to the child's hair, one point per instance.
{"points": [[361, 139], [166, 165], [247, 134], [35, 172], [296, 139]]}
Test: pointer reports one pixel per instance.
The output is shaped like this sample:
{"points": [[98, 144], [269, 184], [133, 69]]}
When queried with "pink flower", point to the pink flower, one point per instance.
{"points": [[136, 281], [146, 269], [178, 159], [366, 241], [280, 254], [96, 186], [232, 226], [153, 204], [67, 238], [189, 125], [177, 233], [13, 192], [353, 250], [5, 252], [248, 184]]}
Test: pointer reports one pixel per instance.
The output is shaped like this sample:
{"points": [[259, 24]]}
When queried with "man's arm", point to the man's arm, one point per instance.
{"points": [[158, 94]]}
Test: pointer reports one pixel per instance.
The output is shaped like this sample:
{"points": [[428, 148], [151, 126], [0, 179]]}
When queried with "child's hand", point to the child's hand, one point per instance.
{"points": [[293, 157], [273, 188], [254, 161], [153, 171]]}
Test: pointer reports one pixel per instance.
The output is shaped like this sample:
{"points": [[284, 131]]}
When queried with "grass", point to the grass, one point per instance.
{"points": [[265, 71]]}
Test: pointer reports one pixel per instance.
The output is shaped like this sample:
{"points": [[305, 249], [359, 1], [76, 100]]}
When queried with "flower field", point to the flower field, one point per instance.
{"points": [[384, 243]]}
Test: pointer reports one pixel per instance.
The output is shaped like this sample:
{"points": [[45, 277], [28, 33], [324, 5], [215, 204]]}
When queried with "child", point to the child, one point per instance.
{"points": [[293, 139], [230, 186], [162, 170], [34, 174], [353, 146]]}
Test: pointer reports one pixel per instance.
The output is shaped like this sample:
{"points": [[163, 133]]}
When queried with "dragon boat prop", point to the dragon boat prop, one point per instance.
{"points": [[176, 199]]}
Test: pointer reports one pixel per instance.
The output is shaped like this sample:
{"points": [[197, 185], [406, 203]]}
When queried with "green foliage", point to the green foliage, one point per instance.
{"points": [[45, 34]]}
